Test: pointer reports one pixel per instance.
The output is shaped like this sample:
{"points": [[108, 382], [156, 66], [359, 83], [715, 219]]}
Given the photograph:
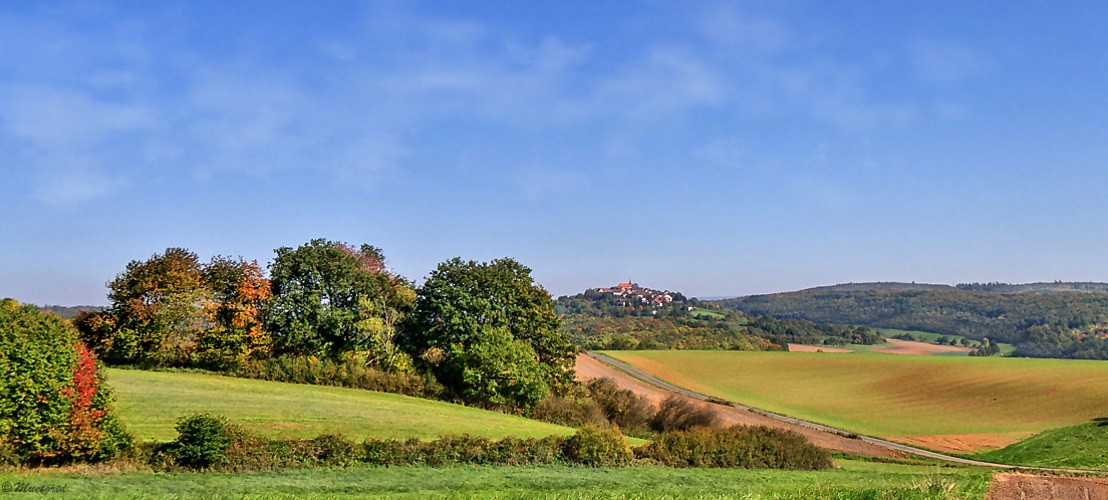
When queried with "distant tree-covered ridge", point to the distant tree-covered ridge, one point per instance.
{"points": [[69, 312], [629, 316], [1062, 320]]}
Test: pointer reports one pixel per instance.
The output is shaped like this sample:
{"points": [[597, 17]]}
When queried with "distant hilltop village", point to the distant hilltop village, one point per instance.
{"points": [[632, 293]]}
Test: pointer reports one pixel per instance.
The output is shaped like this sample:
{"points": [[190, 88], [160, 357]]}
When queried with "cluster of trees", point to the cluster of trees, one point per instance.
{"points": [[486, 331], [985, 348], [1057, 324], [596, 320]]}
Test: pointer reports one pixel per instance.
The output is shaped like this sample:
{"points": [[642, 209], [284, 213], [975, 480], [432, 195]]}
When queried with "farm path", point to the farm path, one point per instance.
{"points": [[824, 433]]}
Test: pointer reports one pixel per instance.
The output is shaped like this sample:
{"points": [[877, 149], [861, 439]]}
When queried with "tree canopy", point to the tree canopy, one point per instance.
{"points": [[468, 313], [330, 297]]}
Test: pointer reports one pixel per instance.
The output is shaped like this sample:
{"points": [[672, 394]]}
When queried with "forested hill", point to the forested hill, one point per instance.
{"points": [[634, 317], [1042, 319], [1040, 287]]}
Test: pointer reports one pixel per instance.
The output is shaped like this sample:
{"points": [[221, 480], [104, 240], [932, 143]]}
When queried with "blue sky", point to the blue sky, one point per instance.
{"points": [[715, 148]]}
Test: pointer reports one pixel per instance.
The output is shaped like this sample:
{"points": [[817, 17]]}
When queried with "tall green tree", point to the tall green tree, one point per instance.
{"points": [[330, 298], [468, 313]]}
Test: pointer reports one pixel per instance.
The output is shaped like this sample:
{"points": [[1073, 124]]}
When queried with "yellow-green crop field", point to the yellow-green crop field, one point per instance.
{"points": [[926, 400]]}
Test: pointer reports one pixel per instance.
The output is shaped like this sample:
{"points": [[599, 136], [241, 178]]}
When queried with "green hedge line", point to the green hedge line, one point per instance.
{"points": [[207, 442]]}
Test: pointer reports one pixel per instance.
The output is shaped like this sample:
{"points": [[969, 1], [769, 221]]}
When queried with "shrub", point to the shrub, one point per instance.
{"points": [[622, 407], [525, 451], [249, 452], [597, 446], [53, 407], [203, 441], [463, 449], [677, 413], [740, 446], [568, 411]]}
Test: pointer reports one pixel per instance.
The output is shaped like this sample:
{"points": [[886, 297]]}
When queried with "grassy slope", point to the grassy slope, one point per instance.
{"points": [[150, 402], [1080, 447], [895, 395], [851, 480]]}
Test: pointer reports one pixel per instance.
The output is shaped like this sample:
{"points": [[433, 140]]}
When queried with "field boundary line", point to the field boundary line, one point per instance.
{"points": [[662, 384]]}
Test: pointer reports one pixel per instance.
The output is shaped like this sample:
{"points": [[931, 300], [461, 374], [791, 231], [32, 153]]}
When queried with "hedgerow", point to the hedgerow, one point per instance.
{"points": [[210, 443], [751, 447]]}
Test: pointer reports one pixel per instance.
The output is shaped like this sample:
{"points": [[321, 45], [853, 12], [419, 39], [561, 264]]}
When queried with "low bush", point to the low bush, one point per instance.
{"points": [[203, 441], [597, 446], [570, 411], [597, 402], [677, 413], [464, 449], [622, 407], [748, 447]]}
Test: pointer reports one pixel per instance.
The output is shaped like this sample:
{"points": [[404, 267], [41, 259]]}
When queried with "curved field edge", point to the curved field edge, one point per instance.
{"points": [[1081, 446], [895, 396], [149, 404], [850, 479]]}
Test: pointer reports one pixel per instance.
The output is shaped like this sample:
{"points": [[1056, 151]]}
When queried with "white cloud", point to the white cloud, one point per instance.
{"points": [[68, 182]]}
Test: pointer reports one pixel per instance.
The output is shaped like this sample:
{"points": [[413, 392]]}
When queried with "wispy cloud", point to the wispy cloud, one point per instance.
{"points": [[355, 106]]}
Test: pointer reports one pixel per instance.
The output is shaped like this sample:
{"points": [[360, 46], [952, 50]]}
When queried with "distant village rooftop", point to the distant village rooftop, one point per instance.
{"points": [[632, 293]]}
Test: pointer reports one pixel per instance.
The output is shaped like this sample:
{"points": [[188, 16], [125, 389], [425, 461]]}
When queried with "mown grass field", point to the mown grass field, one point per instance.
{"points": [[149, 403], [851, 479], [896, 396]]}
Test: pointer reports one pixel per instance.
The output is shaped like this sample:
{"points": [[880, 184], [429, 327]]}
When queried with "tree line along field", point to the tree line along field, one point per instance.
{"points": [[149, 403], [957, 404]]}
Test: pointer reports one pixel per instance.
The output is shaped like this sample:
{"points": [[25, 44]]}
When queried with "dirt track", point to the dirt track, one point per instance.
{"points": [[1034, 487], [589, 368]]}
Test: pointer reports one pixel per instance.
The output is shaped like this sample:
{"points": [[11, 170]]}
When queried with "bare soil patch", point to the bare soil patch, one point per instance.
{"points": [[815, 348], [1033, 487], [963, 443], [918, 348], [589, 368]]}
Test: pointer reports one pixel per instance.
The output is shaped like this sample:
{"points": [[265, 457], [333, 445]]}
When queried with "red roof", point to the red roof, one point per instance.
{"points": [[623, 285]]}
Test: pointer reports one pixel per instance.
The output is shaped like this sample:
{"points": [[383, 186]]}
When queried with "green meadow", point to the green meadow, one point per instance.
{"points": [[1082, 446], [149, 403]]}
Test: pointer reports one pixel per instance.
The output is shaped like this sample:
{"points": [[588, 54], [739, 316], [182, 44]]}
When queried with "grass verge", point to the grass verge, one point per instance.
{"points": [[851, 479]]}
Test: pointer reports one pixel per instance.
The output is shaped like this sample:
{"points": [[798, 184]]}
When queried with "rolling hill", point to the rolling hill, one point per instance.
{"points": [[947, 403], [149, 404], [1062, 320]]}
